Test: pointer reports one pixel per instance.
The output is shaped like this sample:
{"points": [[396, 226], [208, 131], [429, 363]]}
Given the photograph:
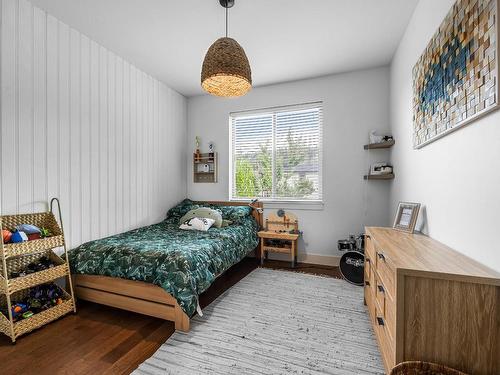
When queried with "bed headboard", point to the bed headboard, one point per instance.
{"points": [[257, 209]]}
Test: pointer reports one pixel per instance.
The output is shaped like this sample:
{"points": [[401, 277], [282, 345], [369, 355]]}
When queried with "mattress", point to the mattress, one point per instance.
{"points": [[183, 263]]}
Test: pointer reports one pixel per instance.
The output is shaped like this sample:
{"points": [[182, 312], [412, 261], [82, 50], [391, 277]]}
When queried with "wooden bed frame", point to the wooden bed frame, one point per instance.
{"points": [[142, 297]]}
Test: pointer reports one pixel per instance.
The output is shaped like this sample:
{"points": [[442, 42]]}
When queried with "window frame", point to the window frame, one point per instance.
{"points": [[276, 202]]}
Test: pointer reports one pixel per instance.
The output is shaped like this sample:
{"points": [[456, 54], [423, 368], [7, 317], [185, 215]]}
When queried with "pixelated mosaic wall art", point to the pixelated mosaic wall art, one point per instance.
{"points": [[456, 78]]}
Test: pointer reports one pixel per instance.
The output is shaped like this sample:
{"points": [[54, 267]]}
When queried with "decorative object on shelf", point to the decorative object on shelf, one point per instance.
{"points": [[374, 138], [455, 81], [26, 266], [406, 216], [197, 149], [205, 167], [380, 169], [280, 235], [352, 262], [226, 71], [211, 150]]}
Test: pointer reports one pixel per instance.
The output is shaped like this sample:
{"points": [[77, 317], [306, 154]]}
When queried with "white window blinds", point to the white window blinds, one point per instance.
{"points": [[276, 153]]}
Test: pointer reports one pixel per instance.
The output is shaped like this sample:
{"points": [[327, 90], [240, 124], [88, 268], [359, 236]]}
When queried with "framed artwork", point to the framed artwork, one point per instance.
{"points": [[455, 81], [406, 216]]}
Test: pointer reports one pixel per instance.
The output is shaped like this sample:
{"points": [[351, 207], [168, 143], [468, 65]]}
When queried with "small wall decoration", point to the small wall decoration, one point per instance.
{"points": [[456, 79], [406, 216]]}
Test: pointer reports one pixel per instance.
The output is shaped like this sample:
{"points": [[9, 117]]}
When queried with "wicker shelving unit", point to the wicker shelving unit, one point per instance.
{"points": [[16, 256]]}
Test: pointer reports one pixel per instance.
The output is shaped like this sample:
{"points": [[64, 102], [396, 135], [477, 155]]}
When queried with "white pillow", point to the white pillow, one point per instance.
{"points": [[198, 223]]}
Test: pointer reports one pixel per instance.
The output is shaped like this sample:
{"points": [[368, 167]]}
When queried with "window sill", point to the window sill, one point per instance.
{"points": [[290, 205]]}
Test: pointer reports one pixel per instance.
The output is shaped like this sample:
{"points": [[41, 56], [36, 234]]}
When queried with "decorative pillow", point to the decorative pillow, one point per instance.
{"points": [[182, 208], [198, 223], [203, 212], [235, 213]]}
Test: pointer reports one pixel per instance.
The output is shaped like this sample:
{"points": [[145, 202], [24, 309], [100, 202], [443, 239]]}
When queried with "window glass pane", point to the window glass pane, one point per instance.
{"points": [[252, 156], [276, 154], [297, 155]]}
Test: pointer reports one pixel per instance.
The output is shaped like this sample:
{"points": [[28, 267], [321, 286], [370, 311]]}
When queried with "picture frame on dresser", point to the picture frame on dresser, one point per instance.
{"points": [[406, 216]]}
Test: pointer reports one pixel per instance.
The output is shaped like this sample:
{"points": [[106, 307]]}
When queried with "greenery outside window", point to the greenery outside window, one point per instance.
{"points": [[276, 154]]}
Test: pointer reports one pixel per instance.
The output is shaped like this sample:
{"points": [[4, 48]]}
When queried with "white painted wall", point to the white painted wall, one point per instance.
{"points": [[353, 103], [82, 124], [457, 177]]}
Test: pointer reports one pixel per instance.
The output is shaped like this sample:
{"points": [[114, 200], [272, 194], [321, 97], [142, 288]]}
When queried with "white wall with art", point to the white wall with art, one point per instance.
{"points": [[456, 177]]}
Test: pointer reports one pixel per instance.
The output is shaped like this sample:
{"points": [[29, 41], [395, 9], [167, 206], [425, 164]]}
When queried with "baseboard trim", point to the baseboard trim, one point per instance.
{"points": [[323, 260]]}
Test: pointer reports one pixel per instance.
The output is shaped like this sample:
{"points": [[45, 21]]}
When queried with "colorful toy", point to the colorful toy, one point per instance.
{"points": [[34, 236], [27, 314], [44, 232], [18, 237], [28, 228], [18, 309], [6, 235], [42, 264]]}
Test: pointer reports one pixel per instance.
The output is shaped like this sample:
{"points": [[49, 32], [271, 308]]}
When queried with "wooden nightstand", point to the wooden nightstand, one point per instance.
{"points": [[269, 243]]}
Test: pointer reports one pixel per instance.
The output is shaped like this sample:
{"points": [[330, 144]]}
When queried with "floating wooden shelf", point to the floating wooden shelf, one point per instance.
{"points": [[373, 146], [379, 177], [209, 159]]}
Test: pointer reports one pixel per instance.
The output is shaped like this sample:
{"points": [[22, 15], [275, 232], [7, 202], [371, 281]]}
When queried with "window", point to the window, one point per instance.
{"points": [[276, 154]]}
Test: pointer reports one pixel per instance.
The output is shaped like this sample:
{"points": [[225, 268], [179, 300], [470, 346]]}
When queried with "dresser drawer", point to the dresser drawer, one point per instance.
{"points": [[370, 303], [390, 317], [385, 271], [370, 249], [385, 341]]}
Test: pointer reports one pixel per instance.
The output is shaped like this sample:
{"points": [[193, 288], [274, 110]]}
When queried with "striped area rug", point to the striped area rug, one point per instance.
{"points": [[275, 322]]}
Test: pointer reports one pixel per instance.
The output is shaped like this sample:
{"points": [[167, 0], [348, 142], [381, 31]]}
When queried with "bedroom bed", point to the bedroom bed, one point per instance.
{"points": [[160, 270]]}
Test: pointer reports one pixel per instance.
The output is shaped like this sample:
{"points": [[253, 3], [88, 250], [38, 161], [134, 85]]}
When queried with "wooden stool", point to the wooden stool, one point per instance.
{"points": [[288, 244]]}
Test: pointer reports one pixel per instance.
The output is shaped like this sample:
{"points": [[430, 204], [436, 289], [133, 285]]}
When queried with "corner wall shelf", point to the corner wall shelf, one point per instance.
{"points": [[389, 176], [373, 146]]}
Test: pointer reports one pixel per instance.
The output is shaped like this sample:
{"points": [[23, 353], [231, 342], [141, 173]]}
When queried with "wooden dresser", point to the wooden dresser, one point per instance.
{"points": [[428, 302]]}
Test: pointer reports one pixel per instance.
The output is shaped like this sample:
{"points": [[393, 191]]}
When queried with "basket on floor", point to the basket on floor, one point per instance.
{"points": [[423, 368]]}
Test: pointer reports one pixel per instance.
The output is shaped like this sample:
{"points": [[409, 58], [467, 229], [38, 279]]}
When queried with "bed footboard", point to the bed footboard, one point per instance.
{"points": [[136, 296]]}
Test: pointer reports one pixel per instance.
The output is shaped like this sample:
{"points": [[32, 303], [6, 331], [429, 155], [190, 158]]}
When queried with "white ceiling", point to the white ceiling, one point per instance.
{"points": [[285, 40]]}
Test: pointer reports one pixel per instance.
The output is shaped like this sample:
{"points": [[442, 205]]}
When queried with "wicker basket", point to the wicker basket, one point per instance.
{"points": [[41, 219], [37, 278], [36, 321], [423, 368]]}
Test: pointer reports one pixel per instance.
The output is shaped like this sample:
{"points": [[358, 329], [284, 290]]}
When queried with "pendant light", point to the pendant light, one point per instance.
{"points": [[226, 70]]}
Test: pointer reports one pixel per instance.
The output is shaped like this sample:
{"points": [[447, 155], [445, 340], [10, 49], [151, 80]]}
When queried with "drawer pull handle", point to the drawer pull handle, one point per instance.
{"points": [[367, 283], [381, 256], [367, 260], [380, 321], [381, 288]]}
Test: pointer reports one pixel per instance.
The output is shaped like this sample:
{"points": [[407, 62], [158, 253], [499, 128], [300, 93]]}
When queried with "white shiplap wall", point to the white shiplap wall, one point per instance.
{"points": [[80, 123]]}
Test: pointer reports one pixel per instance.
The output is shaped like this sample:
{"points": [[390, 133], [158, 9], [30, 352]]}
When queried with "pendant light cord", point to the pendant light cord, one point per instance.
{"points": [[226, 19]]}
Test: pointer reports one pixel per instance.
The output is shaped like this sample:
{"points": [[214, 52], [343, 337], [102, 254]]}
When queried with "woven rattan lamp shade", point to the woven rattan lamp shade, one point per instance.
{"points": [[226, 71]]}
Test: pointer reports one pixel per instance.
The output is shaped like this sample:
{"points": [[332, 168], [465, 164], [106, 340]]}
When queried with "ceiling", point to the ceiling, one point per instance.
{"points": [[285, 40]]}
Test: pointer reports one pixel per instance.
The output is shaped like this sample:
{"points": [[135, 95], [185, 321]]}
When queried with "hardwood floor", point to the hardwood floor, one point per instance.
{"points": [[104, 340]]}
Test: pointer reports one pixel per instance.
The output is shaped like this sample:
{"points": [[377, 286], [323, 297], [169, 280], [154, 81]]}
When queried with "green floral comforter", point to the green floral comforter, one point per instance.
{"points": [[184, 263]]}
